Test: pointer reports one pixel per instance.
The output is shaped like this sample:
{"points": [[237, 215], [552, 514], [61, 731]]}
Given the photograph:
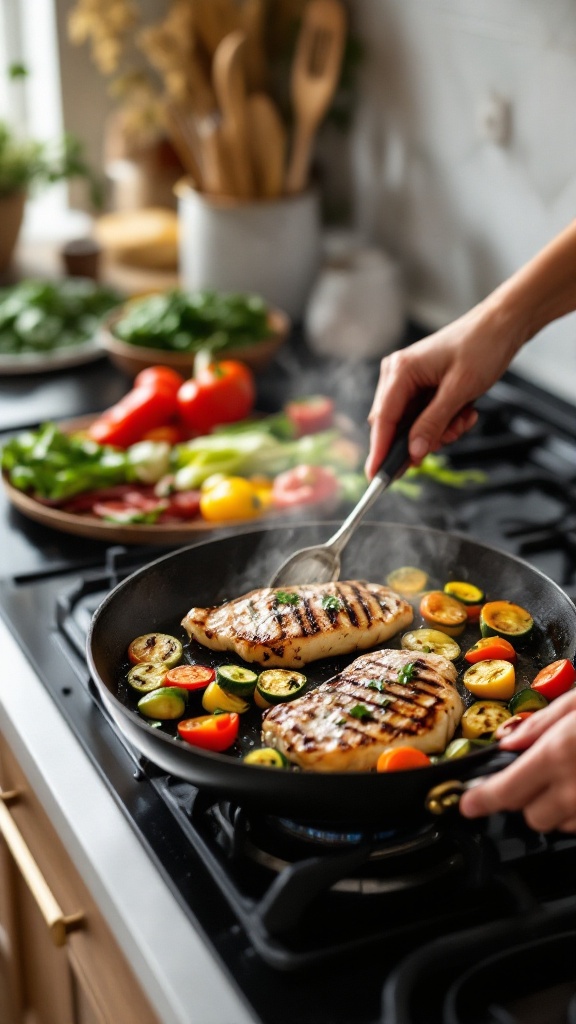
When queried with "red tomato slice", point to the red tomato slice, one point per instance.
{"points": [[491, 648], [310, 415], [555, 679], [304, 485], [190, 677], [183, 505], [210, 732]]}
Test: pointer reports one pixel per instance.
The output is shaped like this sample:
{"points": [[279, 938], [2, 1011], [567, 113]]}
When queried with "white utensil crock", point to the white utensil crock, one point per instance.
{"points": [[269, 247]]}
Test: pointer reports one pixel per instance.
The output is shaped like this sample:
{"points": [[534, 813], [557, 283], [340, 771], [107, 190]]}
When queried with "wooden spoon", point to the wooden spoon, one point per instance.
{"points": [[267, 137], [230, 88], [315, 74]]}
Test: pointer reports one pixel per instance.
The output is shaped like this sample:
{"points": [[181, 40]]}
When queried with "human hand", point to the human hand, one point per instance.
{"points": [[542, 781], [456, 364]]}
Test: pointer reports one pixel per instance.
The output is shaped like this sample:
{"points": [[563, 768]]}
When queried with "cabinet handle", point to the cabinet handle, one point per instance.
{"points": [[59, 924]]}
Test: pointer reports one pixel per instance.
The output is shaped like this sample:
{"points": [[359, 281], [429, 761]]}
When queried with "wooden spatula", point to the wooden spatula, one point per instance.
{"points": [[314, 77], [230, 88], [267, 139]]}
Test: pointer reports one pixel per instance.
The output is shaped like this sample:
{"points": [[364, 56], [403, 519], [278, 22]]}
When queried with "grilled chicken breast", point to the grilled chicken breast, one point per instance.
{"points": [[376, 702], [292, 627]]}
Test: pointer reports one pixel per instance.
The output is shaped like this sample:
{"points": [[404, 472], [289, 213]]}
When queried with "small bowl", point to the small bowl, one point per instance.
{"points": [[133, 358]]}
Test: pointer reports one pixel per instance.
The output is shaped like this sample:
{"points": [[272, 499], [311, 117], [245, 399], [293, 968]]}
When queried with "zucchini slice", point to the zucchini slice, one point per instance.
{"points": [[147, 676], [466, 593], [161, 647], [502, 618], [527, 700], [431, 641], [277, 685], [236, 679], [481, 719], [268, 757]]}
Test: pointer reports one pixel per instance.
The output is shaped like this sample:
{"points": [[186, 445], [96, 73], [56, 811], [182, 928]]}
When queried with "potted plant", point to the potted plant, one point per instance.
{"points": [[27, 165]]}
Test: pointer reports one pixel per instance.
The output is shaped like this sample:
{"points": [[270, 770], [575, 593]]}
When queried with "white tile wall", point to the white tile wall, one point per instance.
{"points": [[460, 211]]}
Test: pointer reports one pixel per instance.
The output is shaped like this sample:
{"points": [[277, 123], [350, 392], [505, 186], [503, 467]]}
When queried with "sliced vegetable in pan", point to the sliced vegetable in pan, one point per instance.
{"points": [[147, 676], [267, 757], [168, 702], [210, 732], [408, 580], [276, 685], [503, 618], [159, 647], [217, 699], [492, 679], [490, 647], [237, 680], [431, 641], [466, 593], [480, 720], [397, 759], [527, 700], [443, 612], [555, 679], [190, 677]]}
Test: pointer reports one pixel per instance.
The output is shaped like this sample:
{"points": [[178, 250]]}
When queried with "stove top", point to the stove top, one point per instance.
{"points": [[339, 925]]}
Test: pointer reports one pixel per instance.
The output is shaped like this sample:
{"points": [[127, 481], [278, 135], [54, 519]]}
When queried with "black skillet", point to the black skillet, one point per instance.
{"points": [[157, 597]]}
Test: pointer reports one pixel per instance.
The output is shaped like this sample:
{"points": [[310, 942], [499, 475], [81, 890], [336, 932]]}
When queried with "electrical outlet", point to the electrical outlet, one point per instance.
{"points": [[495, 120]]}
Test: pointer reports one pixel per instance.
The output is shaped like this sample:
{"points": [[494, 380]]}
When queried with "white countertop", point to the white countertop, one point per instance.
{"points": [[181, 978]]}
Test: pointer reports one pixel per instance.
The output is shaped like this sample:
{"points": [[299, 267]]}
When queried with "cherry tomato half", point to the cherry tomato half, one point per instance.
{"points": [[555, 679], [304, 485], [210, 732], [190, 677], [311, 414]]}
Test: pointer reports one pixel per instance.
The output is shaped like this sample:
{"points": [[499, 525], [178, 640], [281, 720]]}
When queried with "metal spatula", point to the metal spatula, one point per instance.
{"points": [[321, 563]]}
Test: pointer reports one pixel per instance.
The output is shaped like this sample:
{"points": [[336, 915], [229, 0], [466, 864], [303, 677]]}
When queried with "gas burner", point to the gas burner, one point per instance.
{"points": [[383, 842]]}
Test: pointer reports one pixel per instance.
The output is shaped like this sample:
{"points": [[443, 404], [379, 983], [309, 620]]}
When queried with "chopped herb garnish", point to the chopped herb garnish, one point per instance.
{"points": [[376, 684], [331, 603], [341, 721], [360, 711], [287, 597], [405, 674]]}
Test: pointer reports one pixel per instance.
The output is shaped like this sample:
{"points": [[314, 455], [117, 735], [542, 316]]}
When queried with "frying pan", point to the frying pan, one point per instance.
{"points": [[156, 598]]}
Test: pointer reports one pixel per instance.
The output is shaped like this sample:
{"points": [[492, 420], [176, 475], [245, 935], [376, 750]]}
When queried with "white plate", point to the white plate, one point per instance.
{"points": [[56, 359]]}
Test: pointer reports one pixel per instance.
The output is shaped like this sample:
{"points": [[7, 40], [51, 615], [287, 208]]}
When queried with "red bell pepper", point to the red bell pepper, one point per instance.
{"points": [[219, 392], [210, 732]]}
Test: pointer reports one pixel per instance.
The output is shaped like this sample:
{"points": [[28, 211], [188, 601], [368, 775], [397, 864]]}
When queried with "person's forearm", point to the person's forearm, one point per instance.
{"points": [[541, 291]]}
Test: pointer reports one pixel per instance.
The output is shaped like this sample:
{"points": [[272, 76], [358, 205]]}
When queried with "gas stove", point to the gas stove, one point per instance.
{"points": [[326, 925]]}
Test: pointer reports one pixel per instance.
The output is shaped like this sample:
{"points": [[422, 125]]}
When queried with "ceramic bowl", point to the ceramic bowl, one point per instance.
{"points": [[133, 358]]}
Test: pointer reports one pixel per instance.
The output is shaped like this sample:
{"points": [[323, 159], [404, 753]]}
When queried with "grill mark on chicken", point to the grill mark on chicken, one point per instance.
{"points": [[346, 722], [261, 628]]}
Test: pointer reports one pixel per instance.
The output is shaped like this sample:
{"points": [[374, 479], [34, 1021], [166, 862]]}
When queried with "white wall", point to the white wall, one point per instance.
{"points": [[460, 211]]}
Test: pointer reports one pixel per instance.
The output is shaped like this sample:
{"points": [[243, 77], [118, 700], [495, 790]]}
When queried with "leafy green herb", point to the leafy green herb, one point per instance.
{"points": [[287, 597], [361, 712], [331, 603], [40, 316], [406, 673], [376, 684], [179, 321]]}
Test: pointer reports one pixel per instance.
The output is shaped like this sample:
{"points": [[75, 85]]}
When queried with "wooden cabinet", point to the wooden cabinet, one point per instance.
{"points": [[61, 963]]}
